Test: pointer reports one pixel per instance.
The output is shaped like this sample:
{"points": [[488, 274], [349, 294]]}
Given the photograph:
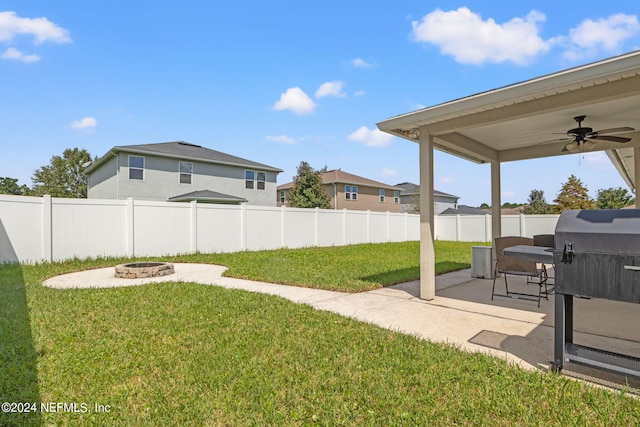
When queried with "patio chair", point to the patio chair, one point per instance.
{"points": [[510, 266]]}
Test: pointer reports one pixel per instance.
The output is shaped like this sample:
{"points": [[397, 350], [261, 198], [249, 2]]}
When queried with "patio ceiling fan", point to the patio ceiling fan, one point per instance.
{"points": [[585, 137]]}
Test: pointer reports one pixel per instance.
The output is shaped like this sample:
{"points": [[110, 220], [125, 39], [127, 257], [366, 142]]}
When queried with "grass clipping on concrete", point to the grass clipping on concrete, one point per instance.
{"points": [[188, 354]]}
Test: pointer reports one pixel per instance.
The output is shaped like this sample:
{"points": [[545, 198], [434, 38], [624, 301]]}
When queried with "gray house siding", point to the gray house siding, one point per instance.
{"points": [[161, 179]]}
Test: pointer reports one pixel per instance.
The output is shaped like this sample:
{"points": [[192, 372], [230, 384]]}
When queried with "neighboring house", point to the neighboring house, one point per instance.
{"points": [[410, 198], [353, 192], [179, 171]]}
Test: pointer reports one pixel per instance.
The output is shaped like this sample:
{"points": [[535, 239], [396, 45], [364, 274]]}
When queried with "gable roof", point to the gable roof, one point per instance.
{"points": [[185, 151], [337, 176], [409, 188], [207, 196]]}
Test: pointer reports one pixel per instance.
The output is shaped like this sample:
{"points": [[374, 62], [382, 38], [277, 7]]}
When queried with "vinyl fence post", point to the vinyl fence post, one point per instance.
{"points": [[368, 225], [282, 224], [130, 227], [194, 226], [388, 226], [487, 228], [243, 219], [344, 226], [47, 228], [316, 219]]}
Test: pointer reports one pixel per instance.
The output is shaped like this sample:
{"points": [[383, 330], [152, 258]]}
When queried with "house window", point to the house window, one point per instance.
{"points": [[396, 197], [282, 199], [249, 178], [186, 169], [136, 167], [255, 180], [381, 195], [351, 192]]}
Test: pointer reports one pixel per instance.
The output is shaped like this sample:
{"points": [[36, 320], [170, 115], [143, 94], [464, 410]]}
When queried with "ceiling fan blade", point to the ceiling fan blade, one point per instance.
{"points": [[612, 130], [610, 138]]}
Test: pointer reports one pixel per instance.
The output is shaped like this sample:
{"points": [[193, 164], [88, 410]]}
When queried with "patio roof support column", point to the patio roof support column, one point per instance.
{"points": [[636, 167], [496, 220], [427, 253]]}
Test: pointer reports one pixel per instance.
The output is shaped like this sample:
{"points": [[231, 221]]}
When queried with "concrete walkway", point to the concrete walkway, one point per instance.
{"points": [[462, 314]]}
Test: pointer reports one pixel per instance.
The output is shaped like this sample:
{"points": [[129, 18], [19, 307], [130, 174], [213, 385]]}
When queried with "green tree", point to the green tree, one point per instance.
{"points": [[613, 198], [63, 177], [10, 186], [307, 190], [536, 204], [573, 195], [484, 206]]}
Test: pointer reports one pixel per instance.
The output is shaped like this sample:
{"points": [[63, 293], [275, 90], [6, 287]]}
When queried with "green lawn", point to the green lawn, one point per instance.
{"points": [[187, 354], [353, 268]]}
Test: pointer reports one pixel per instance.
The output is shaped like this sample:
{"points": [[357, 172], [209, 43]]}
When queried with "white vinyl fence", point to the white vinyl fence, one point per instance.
{"points": [[51, 229], [477, 228]]}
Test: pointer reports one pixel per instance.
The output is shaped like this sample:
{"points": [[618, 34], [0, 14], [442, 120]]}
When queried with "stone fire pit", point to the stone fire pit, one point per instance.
{"points": [[141, 270]]}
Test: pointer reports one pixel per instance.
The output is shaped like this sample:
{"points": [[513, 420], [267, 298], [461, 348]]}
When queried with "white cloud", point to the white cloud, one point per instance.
{"points": [[447, 180], [296, 100], [13, 53], [598, 160], [604, 34], [84, 123], [359, 93], [40, 28], [472, 40], [389, 172], [282, 139], [371, 138], [333, 88], [361, 63]]}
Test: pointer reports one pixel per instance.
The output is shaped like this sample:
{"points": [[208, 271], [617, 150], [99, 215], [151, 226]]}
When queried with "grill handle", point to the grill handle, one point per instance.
{"points": [[632, 267], [567, 255]]}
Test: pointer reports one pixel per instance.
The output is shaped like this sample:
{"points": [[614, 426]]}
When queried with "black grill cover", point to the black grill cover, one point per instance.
{"points": [[598, 254]]}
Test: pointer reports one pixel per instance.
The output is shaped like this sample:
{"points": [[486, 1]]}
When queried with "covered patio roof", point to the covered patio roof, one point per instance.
{"points": [[525, 121]]}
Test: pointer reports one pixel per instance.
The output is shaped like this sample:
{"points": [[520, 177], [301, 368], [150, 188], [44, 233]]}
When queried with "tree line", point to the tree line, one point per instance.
{"points": [[62, 177], [575, 195]]}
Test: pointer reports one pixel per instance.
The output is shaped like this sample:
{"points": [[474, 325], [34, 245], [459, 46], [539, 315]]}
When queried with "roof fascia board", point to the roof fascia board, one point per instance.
{"points": [[620, 67], [616, 159], [550, 103]]}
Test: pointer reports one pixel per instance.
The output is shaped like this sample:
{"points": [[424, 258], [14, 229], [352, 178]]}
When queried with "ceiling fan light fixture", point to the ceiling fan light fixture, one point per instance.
{"points": [[573, 146], [588, 145]]}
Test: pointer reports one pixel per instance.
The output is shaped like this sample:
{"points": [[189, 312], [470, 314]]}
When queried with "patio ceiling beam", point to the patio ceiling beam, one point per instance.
{"points": [[465, 147], [555, 149], [583, 96]]}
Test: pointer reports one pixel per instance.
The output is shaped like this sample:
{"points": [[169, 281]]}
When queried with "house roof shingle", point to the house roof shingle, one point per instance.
{"points": [[183, 150], [336, 176]]}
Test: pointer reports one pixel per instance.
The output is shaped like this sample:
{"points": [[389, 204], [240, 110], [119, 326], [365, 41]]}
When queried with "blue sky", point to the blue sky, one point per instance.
{"points": [[284, 81]]}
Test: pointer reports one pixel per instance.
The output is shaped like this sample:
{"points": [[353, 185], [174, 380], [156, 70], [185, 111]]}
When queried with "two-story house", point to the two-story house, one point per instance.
{"points": [[410, 199], [180, 171], [353, 192]]}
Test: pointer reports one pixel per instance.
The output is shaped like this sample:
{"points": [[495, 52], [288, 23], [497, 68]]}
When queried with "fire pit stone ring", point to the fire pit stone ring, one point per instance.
{"points": [[142, 270]]}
